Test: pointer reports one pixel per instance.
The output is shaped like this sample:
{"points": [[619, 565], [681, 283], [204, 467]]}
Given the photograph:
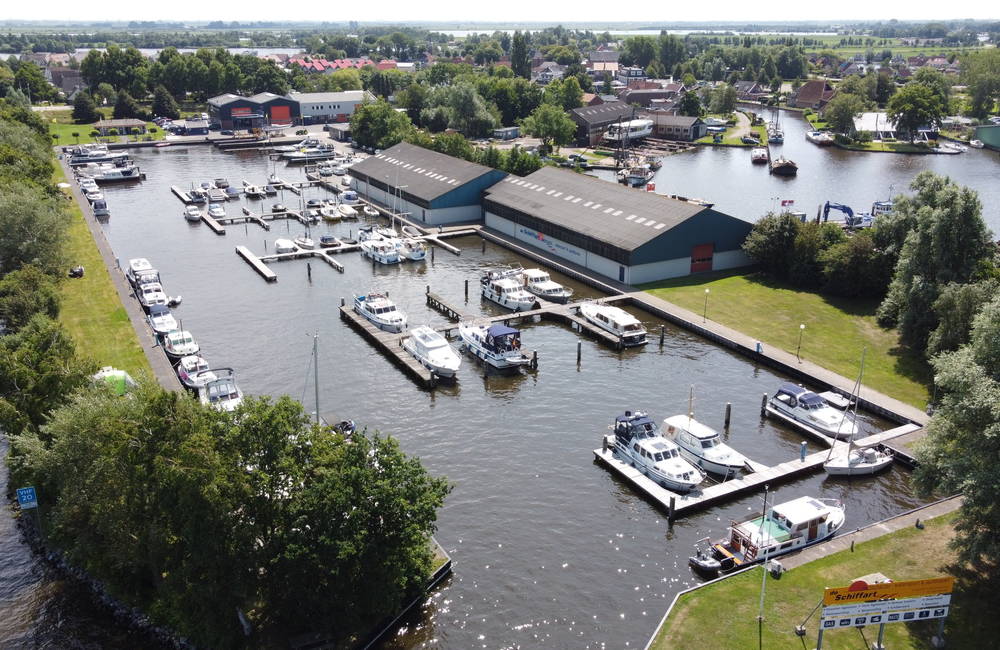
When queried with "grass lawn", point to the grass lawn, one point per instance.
{"points": [[896, 146], [836, 329], [816, 121], [724, 615], [61, 123], [91, 310]]}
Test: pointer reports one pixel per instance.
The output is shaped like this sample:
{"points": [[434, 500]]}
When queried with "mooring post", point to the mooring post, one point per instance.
{"points": [[265, 245], [802, 451], [466, 290], [428, 290], [432, 254], [670, 511], [484, 245], [534, 359], [246, 229], [661, 335], [309, 271], [579, 351], [729, 411], [342, 302], [763, 404]]}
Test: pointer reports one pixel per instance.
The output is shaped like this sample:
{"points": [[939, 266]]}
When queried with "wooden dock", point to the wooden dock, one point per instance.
{"points": [[216, 227], [678, 505], [303, 253], [181, 194], [256, 264], [391, 345]]}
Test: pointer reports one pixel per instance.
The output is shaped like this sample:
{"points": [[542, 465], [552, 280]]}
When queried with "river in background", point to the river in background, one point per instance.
{"points": [[550, 549]]}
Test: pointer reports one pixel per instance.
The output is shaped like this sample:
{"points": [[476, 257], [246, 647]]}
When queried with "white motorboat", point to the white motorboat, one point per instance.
{"points": [[330, 213], [194, 371], [619, 322], [94, 153], [636, 175], [810, 410], [140, 267], [192, 214], [497, 345], [411, 249], [284, 246], [383, 251], [349, 197], [819, 137], [759, 155], [94, 194], [305, 144], [703, 446], [305, 154], [88, 184], [506, 289], [111, 172], [305, 242], [629, 130], [347, 212], [638, 441], [150, 294], [161, 320], [254, 191], [381, 312], [370, 211], [179, 344], [338, 170], [216, 211], [221, 393], [787, 527], [976, 144], [541, 284], [433, 351]]}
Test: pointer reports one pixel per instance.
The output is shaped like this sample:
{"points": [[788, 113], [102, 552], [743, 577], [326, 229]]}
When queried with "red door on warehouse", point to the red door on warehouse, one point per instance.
{"points": [[701, 257], [281, 115]]}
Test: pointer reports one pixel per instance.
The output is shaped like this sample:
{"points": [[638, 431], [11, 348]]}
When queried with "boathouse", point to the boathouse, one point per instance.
{"points": [[433, 188], [237, 112], [324, 108], [593, 121], [622, 233]]}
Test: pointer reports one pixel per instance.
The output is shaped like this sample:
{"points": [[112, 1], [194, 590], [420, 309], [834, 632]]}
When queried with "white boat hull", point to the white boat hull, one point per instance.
{"points": [[843, 433], [661, 479], [710, 466], [843, 466], [504, 301], [446, 370]]}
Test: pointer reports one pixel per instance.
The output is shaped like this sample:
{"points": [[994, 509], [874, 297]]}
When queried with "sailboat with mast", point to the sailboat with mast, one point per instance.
{"points": [[857, 461], [774, 133]]}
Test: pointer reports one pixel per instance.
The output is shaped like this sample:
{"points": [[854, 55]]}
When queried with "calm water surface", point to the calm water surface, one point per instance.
{"points": [[550, 548]]}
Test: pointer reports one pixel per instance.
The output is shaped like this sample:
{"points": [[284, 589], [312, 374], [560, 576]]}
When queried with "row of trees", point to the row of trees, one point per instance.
{"points": [[191, 513]]}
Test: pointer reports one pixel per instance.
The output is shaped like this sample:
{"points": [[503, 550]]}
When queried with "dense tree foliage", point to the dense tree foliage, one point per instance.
{"points": [[379, 125], [164, 104], [914, 107], [550, 124], [948, 242], [84, 109], [24, 293], [842, 110], [981, 74]]}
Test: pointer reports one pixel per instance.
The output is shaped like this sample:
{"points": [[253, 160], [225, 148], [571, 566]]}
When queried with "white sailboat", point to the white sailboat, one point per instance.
{"points": [[857, 461]]}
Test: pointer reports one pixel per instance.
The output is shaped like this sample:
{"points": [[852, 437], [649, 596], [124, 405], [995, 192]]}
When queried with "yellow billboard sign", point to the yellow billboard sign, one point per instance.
{"points": [[861, 592]]}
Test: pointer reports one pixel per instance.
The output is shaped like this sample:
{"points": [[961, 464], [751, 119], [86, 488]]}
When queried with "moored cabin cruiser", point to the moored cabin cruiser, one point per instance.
{"points": [[541, 284], [194, 371], [150, 294], [305, 144], [221, 393], [758, 155], [95, 153], [786, 527], [637, 441], [497, 345], [140, 267], [506, 289], [161, 320], [192, 214], [383, 251], [858, 461], [381, 312], [321, 152], [411, 249], [819, 137], [111, 172], [617, 321], [809, 409], [179, 344], [284, 246], [703, 446], [433, 351], [216, 211]]}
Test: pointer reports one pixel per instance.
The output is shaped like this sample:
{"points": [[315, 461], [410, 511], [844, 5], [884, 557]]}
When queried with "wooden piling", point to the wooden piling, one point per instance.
{"points": [[534, 360], [729, 411], [662, 328], [466, 290], [309, 271], [763, 404], [579, 351]]}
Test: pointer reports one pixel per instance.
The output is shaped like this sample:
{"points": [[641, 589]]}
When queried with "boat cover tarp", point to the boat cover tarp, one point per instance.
{"points": [[499, 330], [802, 394]]}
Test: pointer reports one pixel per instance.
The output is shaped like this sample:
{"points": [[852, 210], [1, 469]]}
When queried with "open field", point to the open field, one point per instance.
{"points": [[907, 554], [90, 308], [836, 330]]}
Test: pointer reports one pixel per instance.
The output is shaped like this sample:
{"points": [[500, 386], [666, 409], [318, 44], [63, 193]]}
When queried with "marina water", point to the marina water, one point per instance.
{"points": [[550, 549]]}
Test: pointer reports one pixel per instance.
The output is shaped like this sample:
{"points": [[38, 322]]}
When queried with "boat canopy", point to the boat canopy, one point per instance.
{"points": [[496, 331], [158, 310], [803, 395]]}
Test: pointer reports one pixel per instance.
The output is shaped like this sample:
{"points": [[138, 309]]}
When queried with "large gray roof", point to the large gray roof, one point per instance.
{"points": [[623, 217], [606, 112], [426, 174]]}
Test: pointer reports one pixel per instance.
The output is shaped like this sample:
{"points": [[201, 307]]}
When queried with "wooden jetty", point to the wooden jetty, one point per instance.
{"points": [[181, 194], [678, 505], [391, 346], [256, 264], [303, 253], [210, 221]]}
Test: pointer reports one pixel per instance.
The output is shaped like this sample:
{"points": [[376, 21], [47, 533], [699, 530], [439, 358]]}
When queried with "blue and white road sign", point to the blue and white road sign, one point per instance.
{"points": [[26, 498]]}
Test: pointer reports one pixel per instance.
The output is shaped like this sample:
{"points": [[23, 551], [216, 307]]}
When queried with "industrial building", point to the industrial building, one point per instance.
{"points": [[263, 109], [621, 233], [324, 108], [433, 188], [593, 121]]}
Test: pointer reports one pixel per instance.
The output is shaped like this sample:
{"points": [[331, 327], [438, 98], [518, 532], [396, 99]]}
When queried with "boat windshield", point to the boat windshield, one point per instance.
{"points": [[708, 443], [633, 327]]}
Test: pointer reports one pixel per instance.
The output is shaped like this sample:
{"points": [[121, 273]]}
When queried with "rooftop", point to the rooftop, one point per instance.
{"points": [[606, 112], [344, 96], [623, 217], [425, 174]]}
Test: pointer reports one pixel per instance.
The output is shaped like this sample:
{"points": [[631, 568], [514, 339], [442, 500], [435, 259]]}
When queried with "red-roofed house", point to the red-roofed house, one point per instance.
{"points": [[813, 94], [386, 64]]}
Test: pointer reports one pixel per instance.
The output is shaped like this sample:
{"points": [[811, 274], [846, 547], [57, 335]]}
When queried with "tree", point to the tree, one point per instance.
{"points": [[948, 243], [164, 104], [981, 74], [551, 124], [565, 93], [379, 125], [32, 228], [963, 439], [690, 104], [29, 78], [268, 78], [519, 61], [723, 99], [126, 106], [856, 268], [915, 106], [771, 243], [935, 80], [84, 109], [956, 308], [885, 88], [24, 293], [842, 110]]}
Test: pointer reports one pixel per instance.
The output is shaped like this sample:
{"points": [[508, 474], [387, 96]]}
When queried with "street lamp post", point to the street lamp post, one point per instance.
{"points": [[704, 312], [802, 328]]}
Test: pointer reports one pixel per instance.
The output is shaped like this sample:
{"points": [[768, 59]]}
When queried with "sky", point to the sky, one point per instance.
{"points": [[459, 11]]}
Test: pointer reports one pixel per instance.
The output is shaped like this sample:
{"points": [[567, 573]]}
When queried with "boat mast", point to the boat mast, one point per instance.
{"points": [[316, 371]]}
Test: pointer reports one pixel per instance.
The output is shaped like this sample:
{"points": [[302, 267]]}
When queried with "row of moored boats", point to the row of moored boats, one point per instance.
{"points": [[215, 387]]}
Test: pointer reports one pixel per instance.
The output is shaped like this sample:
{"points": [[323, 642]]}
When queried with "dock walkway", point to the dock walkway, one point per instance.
{"points": [[391, 346], [678, 505]]}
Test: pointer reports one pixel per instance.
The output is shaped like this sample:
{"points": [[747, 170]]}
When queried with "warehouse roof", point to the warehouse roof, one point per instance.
{"points": [[608, 212], [425, 174], [333, 97], [601, 113], [222, 100]]}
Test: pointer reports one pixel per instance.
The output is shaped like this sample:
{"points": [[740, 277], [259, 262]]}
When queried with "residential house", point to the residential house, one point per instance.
{"points": [[598, 69], [630, 73], [547, 72], [68, 80], [813, 94], [750, 91], [590, 99]]}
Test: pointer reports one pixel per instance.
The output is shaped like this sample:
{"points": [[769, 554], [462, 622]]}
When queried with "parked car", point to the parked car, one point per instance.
{"points": [[226, 132]]}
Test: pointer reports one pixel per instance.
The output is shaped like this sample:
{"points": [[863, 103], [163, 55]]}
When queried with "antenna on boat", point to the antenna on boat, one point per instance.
{"points": [[855, 396], [691, 404]]}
